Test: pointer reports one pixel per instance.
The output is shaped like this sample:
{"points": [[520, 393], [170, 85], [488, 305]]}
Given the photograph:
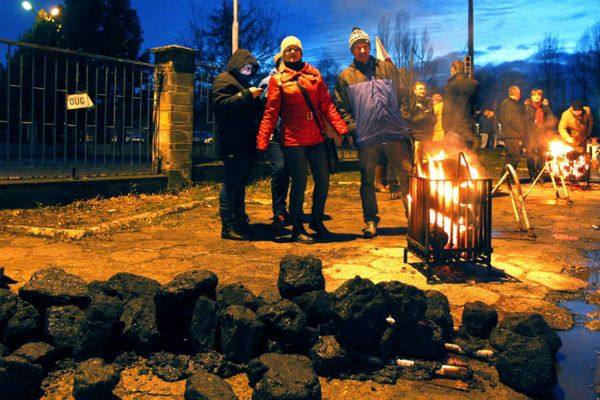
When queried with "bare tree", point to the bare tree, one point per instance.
{"points": [[210, 33], [410, 50], [549, 60], [329, 69]]}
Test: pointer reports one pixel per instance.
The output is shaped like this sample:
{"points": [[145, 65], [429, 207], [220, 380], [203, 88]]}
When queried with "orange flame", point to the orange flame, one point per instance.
{"points": [[561, 164]]}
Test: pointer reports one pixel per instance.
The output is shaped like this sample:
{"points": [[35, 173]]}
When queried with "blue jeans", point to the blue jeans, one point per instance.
{"points": [[400, 157], [280, 179], [237, 174], [297, 159]]}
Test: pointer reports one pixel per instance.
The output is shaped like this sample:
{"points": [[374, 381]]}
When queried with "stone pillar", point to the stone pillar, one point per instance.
{"points": [[174, 113]]}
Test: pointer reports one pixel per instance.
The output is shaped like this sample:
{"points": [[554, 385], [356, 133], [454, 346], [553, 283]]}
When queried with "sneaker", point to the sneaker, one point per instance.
{"points": [[370, 231]]}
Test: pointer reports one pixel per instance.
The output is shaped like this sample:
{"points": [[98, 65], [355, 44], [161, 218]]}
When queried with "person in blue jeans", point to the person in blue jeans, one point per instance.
{"points": [[280, 174]]}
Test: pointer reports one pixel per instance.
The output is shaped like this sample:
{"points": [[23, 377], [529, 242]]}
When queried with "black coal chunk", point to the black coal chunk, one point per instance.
{"points": [[128, 286], [169, 367], [139, 331], [407, 303], [215, 363], [532, 325], [203, 329], [527, 366], [20, 379], [283, 376], [298, 275], [242, 334], [479, 319], [40, 353], [438, 311], [237, 294], [95, 380], [317, 305], [328, 357], [8, 307], [422, 340], [175, 303], [206, 386], [286, 325], [360, 310], [63, 328], [53, 286], [100, 327], [23, 326]]}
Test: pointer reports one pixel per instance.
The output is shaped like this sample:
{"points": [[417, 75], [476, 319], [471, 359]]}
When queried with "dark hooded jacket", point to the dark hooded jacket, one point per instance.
{"points": [[237, 114], [512, 119], [460, 100]]}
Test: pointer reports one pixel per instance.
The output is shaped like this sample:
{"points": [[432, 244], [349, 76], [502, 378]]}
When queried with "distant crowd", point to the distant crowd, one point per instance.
{"points": [[390, 120]]}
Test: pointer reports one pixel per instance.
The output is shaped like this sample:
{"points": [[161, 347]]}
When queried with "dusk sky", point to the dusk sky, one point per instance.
{"points": [[504, 30]]}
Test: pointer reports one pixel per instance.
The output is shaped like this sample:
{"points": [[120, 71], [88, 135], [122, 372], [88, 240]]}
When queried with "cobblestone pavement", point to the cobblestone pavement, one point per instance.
{"points": [[527, 270]]}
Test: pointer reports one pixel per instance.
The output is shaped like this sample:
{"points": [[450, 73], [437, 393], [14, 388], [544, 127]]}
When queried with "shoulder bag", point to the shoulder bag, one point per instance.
{"points": [[330, 147]]}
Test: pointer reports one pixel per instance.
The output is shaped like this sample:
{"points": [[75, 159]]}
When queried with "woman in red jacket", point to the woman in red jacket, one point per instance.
{"points": [[302, 141]]}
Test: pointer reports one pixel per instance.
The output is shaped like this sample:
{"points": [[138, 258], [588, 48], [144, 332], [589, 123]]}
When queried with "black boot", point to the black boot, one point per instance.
{"points": [[316, 224], [300, 235], [242, 222]]}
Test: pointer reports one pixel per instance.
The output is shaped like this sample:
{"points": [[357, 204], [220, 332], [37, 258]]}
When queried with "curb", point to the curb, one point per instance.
{"points": [[104, 227]]}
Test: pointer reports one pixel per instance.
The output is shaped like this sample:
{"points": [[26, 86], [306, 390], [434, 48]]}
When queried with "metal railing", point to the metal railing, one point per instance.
{"points": [[41, 137]]}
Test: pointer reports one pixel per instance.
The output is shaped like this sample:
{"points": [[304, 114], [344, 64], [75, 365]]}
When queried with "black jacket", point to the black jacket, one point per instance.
{"points": [[422, 118], [511, 118], [460, 101], [237, 114]]}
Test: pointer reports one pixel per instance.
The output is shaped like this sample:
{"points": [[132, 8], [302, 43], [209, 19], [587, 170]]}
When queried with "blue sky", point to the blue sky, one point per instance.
{"points": [[504, 30]]}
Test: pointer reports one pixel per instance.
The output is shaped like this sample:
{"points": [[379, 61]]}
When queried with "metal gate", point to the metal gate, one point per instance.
{"points": [[41, 137]]}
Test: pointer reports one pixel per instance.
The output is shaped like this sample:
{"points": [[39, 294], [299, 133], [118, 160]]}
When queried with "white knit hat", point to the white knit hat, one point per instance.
{"points": [[290, 41], [358, 35]]}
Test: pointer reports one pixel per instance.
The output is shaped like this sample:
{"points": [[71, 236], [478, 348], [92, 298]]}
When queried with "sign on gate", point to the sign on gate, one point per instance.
{"points": [[79, 100]]}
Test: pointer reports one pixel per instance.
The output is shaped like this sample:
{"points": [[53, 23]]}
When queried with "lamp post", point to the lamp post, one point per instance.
{"points": [[471, 55], [235, 28]]}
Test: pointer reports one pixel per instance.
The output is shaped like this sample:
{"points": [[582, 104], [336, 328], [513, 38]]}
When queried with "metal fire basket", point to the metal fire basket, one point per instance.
{"points": [[450, 221]]}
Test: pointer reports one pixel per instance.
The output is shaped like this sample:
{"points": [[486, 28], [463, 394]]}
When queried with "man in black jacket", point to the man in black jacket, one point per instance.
{"points": [[238, 111], [460, 100], [513, 125], [422, 117]]}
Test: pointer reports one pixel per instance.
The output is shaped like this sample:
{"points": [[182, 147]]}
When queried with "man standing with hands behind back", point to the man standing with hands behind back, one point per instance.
{"points": [[373, 102]]}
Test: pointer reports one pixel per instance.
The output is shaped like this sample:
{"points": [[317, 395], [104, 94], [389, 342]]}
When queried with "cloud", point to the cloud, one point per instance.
{"points": [[494, 48], [523, 47]]}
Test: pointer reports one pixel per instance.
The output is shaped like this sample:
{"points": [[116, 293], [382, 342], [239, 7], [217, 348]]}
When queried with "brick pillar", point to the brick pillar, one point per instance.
{"points": [[174, 113]]}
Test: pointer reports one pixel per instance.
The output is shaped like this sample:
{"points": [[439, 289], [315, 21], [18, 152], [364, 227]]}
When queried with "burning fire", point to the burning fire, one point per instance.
{"points": [[565, 161], [447, 215]]}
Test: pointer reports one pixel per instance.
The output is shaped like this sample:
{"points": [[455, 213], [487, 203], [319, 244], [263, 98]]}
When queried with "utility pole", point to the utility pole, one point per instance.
{"points": [[471, 58], [235, 28]]}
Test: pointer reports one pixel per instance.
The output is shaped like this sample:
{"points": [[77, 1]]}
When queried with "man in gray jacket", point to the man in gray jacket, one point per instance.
{"points": [[513, 126]]}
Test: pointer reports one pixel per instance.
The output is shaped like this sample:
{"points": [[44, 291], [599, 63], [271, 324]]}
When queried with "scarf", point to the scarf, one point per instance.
{"points": [[539, 113]]}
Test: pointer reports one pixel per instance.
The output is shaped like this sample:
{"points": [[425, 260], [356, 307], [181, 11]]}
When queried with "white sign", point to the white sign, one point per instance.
{"points": [[79, 100]]}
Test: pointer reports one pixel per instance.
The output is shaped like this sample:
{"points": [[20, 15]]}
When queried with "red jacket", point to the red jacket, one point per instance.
{"points": [[284, 99]]}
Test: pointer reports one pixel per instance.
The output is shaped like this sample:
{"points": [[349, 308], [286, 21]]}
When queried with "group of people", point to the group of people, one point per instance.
{"points": [[531, 125], [374, 102]]}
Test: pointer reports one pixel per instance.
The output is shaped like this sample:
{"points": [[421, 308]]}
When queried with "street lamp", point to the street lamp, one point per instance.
{"points": [[54, 11], [27, 6]]}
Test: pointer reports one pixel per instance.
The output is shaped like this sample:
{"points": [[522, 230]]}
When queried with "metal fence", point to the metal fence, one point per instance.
{"points": [[41, 137]]}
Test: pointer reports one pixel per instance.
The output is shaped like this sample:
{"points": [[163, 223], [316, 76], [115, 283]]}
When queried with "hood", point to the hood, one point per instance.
{"points": [[240, 58]]}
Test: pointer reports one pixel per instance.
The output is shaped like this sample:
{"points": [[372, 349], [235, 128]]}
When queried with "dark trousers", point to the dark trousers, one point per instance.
{"points": [[297, 159], [513, 152], [280, 179], [400, 157], [237, 174]]}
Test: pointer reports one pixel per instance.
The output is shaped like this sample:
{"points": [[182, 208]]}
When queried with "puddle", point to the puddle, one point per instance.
{"points": [[578, 356]]}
